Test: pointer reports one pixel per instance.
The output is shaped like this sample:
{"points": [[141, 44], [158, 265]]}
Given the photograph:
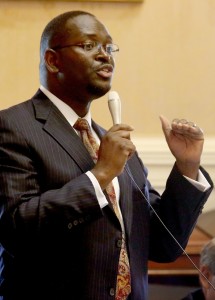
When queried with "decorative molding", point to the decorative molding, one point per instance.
{"points": [[157, 157]]}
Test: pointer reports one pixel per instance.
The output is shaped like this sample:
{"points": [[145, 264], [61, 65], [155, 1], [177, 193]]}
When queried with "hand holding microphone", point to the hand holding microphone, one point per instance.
{"points": [[115, 147]]}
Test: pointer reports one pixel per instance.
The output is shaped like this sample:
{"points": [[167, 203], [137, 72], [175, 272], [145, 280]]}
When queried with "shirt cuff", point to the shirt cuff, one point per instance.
{"points": [[99, 193], [202, 184]]}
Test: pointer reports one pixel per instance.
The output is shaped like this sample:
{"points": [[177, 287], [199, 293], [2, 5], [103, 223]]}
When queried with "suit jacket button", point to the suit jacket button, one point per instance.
{"points": [[70, 226], [75, 222], [112, 292], [119, 243]]}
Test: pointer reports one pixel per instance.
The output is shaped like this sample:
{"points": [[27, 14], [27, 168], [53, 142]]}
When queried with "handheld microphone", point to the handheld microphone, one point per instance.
{"points": [[114, 105]]}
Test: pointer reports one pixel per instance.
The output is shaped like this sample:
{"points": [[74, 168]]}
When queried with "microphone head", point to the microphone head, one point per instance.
{"points": [[114, 105], [113, 95]]}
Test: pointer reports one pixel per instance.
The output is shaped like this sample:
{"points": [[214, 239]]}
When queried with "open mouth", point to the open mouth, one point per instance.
{"points": [[105, 71]]}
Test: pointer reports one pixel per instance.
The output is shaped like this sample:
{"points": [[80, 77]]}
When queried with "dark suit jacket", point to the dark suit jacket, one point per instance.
{"points": [[57, 243], [195, 295]]}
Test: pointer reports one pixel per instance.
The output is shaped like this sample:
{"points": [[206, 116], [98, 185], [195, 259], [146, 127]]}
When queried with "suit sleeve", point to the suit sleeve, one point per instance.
{"points": [[178, 207], [172, 215]]}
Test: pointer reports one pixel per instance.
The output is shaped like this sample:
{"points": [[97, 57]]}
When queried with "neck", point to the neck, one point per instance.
{"points": [[76, 102], [81, 109]]}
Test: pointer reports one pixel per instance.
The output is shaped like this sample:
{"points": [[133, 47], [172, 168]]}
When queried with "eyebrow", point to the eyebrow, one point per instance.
{"points": [[95, 37]]}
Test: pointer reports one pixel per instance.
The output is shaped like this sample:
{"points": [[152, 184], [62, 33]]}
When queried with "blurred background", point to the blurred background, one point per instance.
{"points": [[166, 65]]}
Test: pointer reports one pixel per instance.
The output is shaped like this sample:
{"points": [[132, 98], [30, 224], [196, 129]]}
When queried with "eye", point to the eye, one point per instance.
{"points": [[109, 48], [89, 46]]}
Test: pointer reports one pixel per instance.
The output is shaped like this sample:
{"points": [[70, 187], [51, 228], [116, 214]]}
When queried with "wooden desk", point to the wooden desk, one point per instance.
{"points": [[183, 266]]}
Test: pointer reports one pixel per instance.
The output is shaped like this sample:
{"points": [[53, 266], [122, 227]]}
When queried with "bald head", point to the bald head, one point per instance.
{"points": [[208, 256], [55, 32]]}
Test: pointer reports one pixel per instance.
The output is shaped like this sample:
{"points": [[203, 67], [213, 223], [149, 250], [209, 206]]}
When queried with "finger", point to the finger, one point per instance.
{"points": [[184, 122], [185, 127], [122, 134], [166, 127], [118, 127]]}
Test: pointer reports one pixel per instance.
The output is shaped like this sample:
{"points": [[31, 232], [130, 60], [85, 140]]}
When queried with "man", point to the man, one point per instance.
{"points": [[206, 274], [61, 237]]}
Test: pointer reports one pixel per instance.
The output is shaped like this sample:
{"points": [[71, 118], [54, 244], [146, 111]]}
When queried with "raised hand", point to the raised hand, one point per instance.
{"points": [[185, 140]]}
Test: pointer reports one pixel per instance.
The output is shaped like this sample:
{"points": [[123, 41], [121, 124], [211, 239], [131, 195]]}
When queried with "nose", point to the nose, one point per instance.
{"points": [[103, 54], [102, 48]]}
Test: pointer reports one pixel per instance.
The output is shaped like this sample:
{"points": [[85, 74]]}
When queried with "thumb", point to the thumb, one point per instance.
{"points": [[166, 127]]}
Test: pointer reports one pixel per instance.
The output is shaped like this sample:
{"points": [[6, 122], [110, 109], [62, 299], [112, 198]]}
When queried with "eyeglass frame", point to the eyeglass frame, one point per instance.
{"points": [[96, 45]]}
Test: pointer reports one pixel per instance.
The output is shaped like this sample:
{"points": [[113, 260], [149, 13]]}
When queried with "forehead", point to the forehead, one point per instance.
{"points": [[85, 26]]}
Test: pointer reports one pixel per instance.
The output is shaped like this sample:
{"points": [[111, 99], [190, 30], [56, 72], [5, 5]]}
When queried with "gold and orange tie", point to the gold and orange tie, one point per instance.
{"points": [[123, 277]]}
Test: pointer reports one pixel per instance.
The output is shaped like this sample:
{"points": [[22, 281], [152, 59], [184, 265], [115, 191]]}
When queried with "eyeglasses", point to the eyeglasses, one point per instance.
{"points": [[93, 46]]}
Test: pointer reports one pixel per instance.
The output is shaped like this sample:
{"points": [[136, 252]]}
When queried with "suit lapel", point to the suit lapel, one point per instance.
{"points": [[125, 188], [125, 199], [124, 185], [57, 126]]}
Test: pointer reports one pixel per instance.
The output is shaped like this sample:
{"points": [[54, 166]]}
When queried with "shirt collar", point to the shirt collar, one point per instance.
{"points": [[64, 108]]}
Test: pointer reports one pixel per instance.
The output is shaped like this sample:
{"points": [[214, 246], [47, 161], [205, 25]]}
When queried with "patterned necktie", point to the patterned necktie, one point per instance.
{"points": [[123, 277]]}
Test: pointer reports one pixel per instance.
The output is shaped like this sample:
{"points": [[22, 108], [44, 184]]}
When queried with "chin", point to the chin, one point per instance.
{"points": [[99, 91]]}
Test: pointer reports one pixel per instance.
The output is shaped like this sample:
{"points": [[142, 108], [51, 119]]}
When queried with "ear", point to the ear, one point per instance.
{"points": [[51, 60], [206, 272]]}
